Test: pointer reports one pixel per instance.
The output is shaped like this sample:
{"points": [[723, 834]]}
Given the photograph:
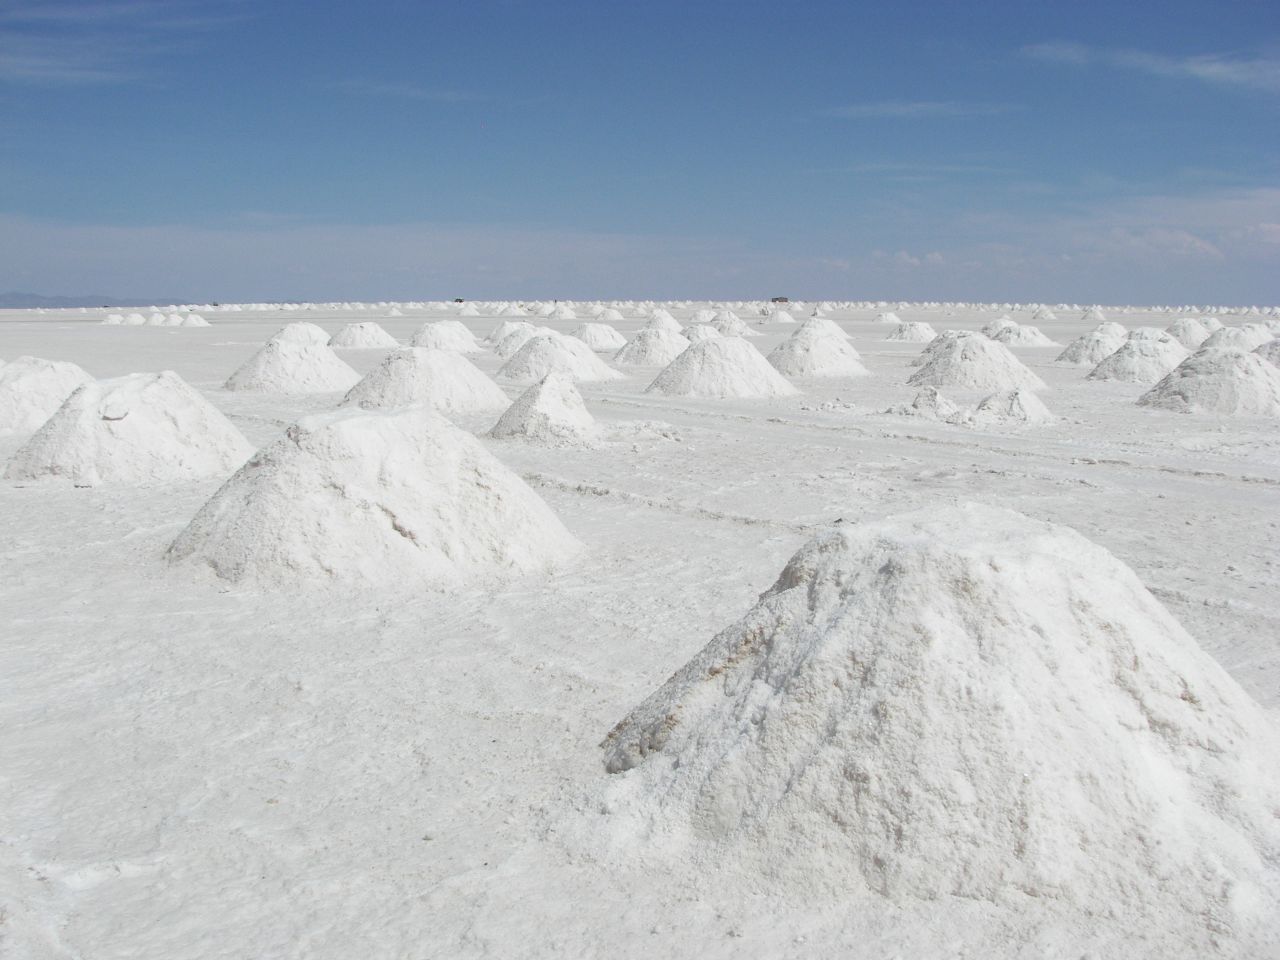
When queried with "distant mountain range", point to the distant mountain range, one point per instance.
{"points": [[15, 300]]}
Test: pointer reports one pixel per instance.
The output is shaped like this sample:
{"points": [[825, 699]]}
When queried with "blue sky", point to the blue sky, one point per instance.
{"points": [[1110, 152]]}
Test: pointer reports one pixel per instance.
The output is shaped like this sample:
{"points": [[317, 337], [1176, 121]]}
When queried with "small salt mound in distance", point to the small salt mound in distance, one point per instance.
{"points": [[1248, 337], [113, 319], [363, 336], [702, 316], [506, 328], [974, 362], [997, 326], [373, 498], [1023, 335], [1143, 358], [732, 326], [661, 320], [512, 310], [721, 367], [468, 310], [445, 380], [302, 332], [134, 320], [284, 366], [1098, 344], [1188, 331], [609, 315], [143, 428], [651, 348], [814, 351], [562, 312], [701, 331], [915, 331], [965, 702], [1093, 315], [888, 318], [1010, 407], [447, 335], [510, 345], [194, 320], [551, 411], [928, 404], [1043, 314], [781, 316], [1229, 382], [1270, 351], [555, 353], [600, 336], [1212, 324], [821, 324], [31, 390]]}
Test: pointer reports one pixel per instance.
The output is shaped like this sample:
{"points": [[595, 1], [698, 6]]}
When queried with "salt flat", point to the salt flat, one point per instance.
{"points": [[195, 768]]}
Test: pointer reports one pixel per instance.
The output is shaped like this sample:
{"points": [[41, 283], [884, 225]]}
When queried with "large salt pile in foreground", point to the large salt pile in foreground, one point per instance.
{"points": [[553, 352], [651, 347], [551, 411], [1144, 357], [1096, 345], [721, 367], [445, 380], [145, 427], [31, 389], [972, 361], [363, 336], [600, 336], [965, 702], [286, 366], [1228, 382], [814, 351], [448, 335], [304, 333], [378, 498]]}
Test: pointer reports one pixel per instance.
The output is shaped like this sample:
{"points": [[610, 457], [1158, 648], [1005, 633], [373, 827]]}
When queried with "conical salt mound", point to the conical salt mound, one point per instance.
{"points": [[721, 367], [916, 331], [363, 336], [510, 345], [285, 366], [1023, 335], [651, 347], [662, 320], [442, 379], [468, 310], [1010, 408], [698, 332], [1248, 337], [1142, 358], [195, 320], [506, 328], [928, 404], [447, 335], [965, 702], [812, 351], [732, 326], [1229, 382], [561, 354], [562, 311], [888, 318], [1096, 345], [997, 326], [143, 428], [304, 333], [821, 324], [551, 411], [600, 336], [973, 362], [374, 498], [31, 390], [1188, 331]]}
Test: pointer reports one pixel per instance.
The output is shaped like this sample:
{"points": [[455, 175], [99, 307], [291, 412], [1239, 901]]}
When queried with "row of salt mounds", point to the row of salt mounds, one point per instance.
{"points": [[968, 703], [961, 358], [141, 428], [550, 352], [32, 389], [701, 331], [1248, 337], [373, 498], [1144, 357], [1022, 335], [1096, 345], [550, 412], [1188, 331], [914, 331], [512, 343], [814, 351], [447, 335], [288, 366], [721, 367], [1229, 382], [441, 379], [307, 334], [651, 347], [600, 336], [363, 336]]}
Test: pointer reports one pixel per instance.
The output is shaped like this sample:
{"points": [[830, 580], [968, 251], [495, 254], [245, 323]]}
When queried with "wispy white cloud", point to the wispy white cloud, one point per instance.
{"points": [[916, 110], [403, 91], [1257, 73]]}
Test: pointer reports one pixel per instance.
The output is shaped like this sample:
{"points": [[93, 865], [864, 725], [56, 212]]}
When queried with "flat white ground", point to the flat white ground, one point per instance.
{"points": [[193, 770]]}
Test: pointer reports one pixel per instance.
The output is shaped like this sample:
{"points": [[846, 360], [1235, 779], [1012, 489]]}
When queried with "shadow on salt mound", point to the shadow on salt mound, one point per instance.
{"points": [[1229, 382], [374, 498], [600, 336], [1144, 357], [447, 335], [302, 332], [363, 336], [651, 347], [442, 379], [813, 351], [968, 360], [142, 428], [285, 366], [549, 412], [547, 353], [32, 389], [1269, 351], [719, 368], [963, 702]]}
